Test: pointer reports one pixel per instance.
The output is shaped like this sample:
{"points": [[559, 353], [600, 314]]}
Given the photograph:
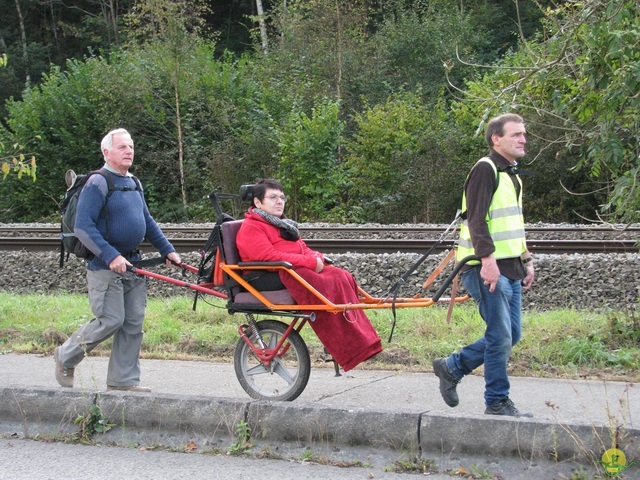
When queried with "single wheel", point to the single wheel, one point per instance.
{"points": [[284, 377]]}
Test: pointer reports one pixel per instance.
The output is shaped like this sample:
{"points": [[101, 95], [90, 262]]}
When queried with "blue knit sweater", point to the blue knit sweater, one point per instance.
{"points": [[129, 221]]}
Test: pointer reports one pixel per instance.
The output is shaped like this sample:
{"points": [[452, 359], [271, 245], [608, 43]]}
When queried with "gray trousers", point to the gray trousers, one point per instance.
{"points": [[118, 303]]}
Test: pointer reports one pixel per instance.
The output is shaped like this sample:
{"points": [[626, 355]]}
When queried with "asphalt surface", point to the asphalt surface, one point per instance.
{"points": [[574, 420]]}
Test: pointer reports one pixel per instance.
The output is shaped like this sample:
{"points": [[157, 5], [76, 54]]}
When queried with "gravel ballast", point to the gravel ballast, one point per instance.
{"points": [[581, 281]]}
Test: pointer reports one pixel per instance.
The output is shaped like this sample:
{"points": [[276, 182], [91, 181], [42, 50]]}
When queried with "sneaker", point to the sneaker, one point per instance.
{"points": [[129, 388], [448, 383], [506, 407], [64, 375]]}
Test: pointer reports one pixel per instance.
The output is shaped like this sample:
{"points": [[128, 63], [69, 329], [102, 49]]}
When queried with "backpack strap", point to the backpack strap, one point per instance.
{"points": [[111, 183], [111, 186]]}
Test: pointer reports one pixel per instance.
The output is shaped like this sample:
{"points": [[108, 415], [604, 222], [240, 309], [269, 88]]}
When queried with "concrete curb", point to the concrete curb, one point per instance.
{"points": [[333, 425], [523, 438], [213, 421]]}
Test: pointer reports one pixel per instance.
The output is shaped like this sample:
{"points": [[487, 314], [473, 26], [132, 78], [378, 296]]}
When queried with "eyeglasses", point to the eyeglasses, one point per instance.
{"points": [[275, 198]]}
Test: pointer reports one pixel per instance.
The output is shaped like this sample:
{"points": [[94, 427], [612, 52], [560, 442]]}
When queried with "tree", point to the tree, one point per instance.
{"points": [[23, 38], [308, 165], [15, 160], [264, 38], [317, 45], [403, 162], [412, 46], [577, 84], [169, 30]]}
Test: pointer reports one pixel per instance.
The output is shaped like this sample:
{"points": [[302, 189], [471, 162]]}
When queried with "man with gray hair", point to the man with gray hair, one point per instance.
{"points": [[112, 224], [493, 231]]}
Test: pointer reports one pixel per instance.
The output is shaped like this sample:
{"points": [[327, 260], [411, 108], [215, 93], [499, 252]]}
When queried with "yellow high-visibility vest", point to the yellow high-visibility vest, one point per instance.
{"points": [[504, 218]]}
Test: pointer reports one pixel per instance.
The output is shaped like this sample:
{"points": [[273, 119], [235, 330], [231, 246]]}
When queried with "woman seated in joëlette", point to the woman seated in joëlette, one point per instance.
{"points": [[266, 235]]}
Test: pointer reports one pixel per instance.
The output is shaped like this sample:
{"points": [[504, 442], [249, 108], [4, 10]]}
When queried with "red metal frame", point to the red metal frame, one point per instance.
{"points": [[266, 355], [367, 301]]}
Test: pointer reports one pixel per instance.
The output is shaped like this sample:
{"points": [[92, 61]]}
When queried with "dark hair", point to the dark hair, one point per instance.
{"points": [[261, 187], [496, 125]]}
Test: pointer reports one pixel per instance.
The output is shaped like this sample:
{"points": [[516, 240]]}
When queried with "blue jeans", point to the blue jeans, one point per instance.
{"points": [[501, 312]]}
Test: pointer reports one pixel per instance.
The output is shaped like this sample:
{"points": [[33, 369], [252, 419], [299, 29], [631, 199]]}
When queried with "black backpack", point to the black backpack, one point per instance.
{"points": [[69, 243]]}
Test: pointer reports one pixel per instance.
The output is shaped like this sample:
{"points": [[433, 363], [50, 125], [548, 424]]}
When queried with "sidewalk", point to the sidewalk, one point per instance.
{"points": [[398, 410]]}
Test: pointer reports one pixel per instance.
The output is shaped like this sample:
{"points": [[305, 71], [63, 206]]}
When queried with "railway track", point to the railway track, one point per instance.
{"points": [[351, 231], [188, 239]]}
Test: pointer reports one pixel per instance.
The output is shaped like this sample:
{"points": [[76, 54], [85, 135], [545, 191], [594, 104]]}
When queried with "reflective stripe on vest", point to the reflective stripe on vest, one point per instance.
{"points": [[504, 219]]}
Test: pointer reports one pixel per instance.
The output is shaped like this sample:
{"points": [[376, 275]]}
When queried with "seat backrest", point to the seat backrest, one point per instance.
{"points": [[229, 231], [231, 256]]}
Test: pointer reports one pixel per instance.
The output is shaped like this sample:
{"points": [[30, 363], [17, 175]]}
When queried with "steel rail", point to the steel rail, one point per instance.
{"points": [[378, 246], [351, 230]]}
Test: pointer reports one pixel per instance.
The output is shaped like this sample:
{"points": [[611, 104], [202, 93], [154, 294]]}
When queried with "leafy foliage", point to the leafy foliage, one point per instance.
{"points": [[17, 163], [15, 160], [91, 423], [402, 162], [168, 32], [413, 47], [308, 167], [243, 439], [72, 109], [69, 114], [362, 109], [577, 85]]}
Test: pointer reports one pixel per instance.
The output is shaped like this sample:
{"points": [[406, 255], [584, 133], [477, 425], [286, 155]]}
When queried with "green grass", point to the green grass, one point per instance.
{"points": [[566, 343]]}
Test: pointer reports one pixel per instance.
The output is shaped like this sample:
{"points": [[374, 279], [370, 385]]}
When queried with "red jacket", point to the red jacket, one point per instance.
{"points": [[259, 241]]}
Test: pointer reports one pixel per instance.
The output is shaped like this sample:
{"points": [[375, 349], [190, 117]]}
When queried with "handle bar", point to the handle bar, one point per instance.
{"points": [[452, 275]]}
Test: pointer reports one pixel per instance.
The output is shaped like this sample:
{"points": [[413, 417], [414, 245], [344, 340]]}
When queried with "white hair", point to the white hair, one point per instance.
{"points": [[107, 141]]}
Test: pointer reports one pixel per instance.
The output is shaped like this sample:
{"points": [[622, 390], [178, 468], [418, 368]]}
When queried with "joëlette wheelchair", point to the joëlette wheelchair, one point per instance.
{"points": [[271, 358]]}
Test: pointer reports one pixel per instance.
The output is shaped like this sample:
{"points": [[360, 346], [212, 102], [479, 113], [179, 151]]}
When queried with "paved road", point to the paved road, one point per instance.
{"points": [[36, 460], [370, 415]]}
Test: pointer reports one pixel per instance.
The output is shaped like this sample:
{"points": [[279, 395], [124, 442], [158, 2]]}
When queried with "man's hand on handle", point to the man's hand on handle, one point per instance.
{"points": [[119, 264], [173, 260]]}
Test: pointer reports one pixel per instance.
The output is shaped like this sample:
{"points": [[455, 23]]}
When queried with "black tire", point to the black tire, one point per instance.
{"points": [[286, 377]]}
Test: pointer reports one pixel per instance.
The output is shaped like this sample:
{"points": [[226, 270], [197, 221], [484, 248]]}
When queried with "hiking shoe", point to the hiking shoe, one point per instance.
{"points": [[448, 383], [505, 407], [129, 388], [64, 375]]}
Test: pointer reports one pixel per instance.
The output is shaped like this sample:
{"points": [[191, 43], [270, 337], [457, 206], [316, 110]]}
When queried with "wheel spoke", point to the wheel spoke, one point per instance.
{"points": [[280, 370], [257, 370], [273, 341]]}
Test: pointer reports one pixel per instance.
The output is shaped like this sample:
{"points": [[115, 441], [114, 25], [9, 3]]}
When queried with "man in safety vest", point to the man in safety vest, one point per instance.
{"points": [[493, 231]]}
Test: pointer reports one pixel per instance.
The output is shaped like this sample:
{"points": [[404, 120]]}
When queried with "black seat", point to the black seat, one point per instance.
{"points": [[229, 231]]}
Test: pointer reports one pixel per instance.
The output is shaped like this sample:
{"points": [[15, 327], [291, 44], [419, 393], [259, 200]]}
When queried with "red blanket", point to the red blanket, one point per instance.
{"points": [[348, 336]]}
